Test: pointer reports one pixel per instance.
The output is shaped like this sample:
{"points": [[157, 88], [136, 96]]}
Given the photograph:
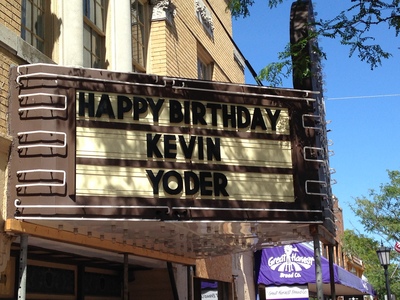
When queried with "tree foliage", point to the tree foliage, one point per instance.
{"points": [[364, 248], [353, 27], [241, 8], [379, 213], [293, 54]]}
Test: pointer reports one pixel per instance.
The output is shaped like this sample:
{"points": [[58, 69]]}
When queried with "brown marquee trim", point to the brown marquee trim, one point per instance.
{"points": [[189, 209], [176, 129], [49, 233], [180, 166]]}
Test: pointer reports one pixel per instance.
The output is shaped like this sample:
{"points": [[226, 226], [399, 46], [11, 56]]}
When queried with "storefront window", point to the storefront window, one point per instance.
{"points": [[211, 290]]}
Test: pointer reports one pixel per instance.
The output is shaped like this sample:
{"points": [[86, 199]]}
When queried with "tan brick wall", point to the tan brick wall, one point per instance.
{"points": [[4, 92], [181, 39], [217, 268], [10, 14], [156, 63], [10, 17], [181, 53], [6, 60]]}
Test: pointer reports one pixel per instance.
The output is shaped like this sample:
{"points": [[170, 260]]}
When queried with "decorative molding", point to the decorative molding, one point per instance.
{"points": [[204, 16], [163, 10], [239, 58]]}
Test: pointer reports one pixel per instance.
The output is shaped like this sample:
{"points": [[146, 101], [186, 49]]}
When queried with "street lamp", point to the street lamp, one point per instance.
{"points": [[384, 259]]}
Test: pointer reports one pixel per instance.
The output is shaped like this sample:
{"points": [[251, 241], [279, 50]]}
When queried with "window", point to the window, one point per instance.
{"points": [[140, 21], [204, 71], [209, 289], [33, 21], [93, 33], [205, 64]]}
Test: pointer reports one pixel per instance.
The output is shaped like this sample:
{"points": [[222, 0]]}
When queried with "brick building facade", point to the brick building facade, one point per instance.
{"points": [[191, 39]]}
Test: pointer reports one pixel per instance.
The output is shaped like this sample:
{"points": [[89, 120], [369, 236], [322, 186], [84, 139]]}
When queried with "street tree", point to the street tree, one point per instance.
{"points": [[363, 247], [379, 212], [352, 27]]}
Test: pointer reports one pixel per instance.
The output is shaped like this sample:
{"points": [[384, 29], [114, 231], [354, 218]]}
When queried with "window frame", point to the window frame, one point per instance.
{"points": [[29, 32], [97, 35], [205, 64], [141, 42], [223, 290]]}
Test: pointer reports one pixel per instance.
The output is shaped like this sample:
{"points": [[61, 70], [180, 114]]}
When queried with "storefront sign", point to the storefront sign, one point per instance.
{"points": [[291, 262], [286, 266], [292, 292]]}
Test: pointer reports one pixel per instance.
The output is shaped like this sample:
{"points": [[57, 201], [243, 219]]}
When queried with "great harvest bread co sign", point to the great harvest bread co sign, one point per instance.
{"points": [[141, 146]]}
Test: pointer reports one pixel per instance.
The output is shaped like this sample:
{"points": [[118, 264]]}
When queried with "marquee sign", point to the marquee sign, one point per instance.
{"points": [[97, 144], [206, 151]]}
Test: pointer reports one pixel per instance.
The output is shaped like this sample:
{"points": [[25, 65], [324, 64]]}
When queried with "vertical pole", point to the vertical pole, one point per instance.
{"points": [[126, 279], [80, 294], [23, 257], [389, 294], [190, 282], [318, 268], [234, 286], [172, 281], [331, 272]]}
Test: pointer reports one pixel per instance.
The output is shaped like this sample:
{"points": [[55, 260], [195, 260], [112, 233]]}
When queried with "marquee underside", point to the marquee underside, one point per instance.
{"points": [[172, 241]]}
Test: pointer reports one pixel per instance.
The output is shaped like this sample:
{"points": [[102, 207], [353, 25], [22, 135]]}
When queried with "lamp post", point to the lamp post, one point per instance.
{"points": [[384, 259]]}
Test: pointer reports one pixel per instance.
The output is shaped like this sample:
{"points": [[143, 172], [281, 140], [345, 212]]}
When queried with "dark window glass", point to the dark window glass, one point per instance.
{"points": [[33, 23], [94, 33], [139, 19]]}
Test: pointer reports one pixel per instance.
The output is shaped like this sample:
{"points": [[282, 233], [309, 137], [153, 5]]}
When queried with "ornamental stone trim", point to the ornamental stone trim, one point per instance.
{"points": [[163, 10], [204, 16]]}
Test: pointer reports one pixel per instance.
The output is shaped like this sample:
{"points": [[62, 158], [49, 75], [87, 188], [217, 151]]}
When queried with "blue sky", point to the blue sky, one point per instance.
{"points": [[363, 106]]}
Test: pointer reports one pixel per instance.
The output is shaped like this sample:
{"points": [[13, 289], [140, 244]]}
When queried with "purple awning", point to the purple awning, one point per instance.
{"points": [[294, 264]]}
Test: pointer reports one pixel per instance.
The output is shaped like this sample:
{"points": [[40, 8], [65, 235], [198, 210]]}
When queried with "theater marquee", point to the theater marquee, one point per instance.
{"points": [[97, 144], [212, 143]]}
